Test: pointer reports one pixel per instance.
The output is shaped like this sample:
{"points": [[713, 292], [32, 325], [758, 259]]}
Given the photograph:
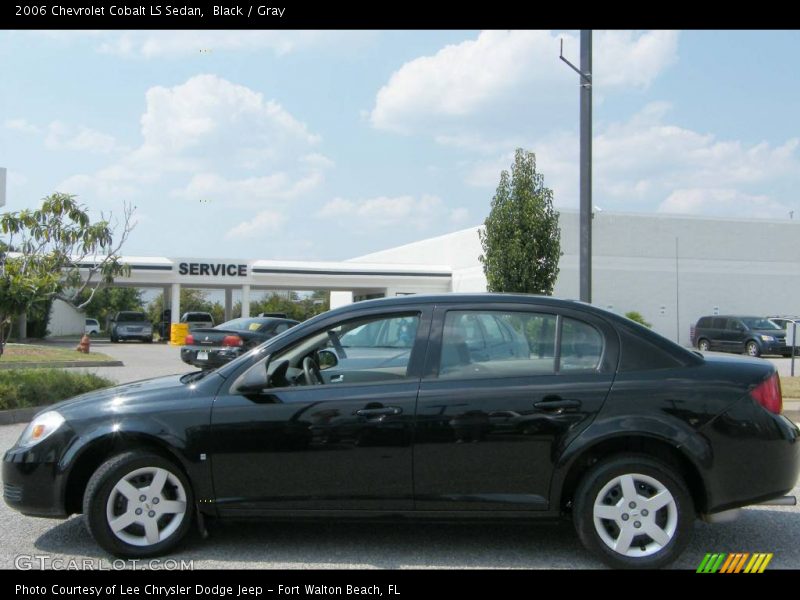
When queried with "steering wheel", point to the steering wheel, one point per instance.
{"points": [[312, 372]]}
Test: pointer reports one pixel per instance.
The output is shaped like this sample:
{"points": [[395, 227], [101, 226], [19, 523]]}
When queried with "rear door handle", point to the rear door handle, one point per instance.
{"points": [[377, 412], [556, 405]]}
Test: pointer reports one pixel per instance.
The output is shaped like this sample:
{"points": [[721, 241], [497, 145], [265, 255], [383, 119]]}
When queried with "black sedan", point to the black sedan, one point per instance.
{"points": [[600, 421], [211, 347]]}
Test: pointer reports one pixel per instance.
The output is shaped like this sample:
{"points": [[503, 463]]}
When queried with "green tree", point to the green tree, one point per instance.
{"points": [[293, 307], [56, 251], [108, 301], [192, 300], [521, 240], [637, 316]]}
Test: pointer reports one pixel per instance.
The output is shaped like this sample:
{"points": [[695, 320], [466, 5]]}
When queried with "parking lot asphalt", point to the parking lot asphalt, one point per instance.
{"points": [[403, 545], [140, 361]]}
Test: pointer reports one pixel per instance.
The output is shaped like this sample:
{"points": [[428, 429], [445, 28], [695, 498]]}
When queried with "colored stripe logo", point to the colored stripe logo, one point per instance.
{"points": [[737, 562]]}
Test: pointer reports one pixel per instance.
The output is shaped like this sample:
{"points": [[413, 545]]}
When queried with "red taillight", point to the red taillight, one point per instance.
{"points": [[768, 394], [232, 340], [189, 341]]}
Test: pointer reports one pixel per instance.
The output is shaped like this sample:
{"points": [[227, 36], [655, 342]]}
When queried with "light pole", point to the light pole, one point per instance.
{"points": [[585, 240]]}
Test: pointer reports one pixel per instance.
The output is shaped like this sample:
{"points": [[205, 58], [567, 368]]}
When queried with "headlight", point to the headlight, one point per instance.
{"points": [[40, 428], [767, 338]]}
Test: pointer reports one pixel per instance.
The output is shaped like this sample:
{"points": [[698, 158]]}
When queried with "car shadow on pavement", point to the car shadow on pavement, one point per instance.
{"points": [[402, 544]]}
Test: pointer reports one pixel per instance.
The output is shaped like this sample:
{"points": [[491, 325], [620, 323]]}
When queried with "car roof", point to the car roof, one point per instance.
{"points": [[470, 298], [732, 317], [262, 320]]}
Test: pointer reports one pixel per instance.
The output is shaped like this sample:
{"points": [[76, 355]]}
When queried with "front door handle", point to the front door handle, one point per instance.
{"points": [[378, 412], [556, 404]]}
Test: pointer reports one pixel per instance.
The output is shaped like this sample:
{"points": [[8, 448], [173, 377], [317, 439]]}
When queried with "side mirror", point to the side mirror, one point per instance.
{"points": [[327, 359]]}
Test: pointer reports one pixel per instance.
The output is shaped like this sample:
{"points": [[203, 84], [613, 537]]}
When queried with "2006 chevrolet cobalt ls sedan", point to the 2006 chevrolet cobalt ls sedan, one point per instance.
{"points": [[475, 406]]}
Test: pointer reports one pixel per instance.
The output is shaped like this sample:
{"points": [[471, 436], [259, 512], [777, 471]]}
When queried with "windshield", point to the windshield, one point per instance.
{"points": [[130, 316], [243, 324], [756, 323], [194, 317]]}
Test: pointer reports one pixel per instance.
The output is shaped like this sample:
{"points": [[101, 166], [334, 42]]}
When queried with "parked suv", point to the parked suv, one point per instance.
{"points": [[197, 320], [129, 325], [752, 335]]}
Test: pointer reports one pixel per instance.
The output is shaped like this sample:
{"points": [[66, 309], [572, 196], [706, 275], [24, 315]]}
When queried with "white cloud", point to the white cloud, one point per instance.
{"points": [[647, 163], [21, 125], [210, 187], [188, 43], [210, 137], [392, 211], [483, 76], [210, 113], [723, 202], [267, 221], [61, 136], [631, 59]]}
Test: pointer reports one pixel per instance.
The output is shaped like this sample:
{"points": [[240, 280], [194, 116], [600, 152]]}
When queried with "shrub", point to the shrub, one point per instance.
{"points": [[636, 316], [22, 388]]}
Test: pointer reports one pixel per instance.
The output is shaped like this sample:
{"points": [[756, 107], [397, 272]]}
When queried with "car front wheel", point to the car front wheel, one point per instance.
{"points": [[633, 512], [752, 349], [138, 504]]}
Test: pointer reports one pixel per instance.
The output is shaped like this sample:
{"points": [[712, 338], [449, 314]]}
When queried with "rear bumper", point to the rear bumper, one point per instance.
{"points": [[756, 459], [216, 356]]}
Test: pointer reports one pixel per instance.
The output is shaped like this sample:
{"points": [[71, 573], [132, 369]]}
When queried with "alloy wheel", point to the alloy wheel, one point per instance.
{"points": [[635, 515], [146, 506]]}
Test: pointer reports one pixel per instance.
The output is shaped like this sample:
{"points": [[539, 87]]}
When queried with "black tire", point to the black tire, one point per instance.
{"points": [[101, 487], [678, 517], [703, 345], [114, 339], [148, 340], [751, 348]]}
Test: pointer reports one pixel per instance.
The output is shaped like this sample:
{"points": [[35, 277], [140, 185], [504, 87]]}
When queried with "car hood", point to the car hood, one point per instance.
{"points": [[125, 396], [772, 332]]}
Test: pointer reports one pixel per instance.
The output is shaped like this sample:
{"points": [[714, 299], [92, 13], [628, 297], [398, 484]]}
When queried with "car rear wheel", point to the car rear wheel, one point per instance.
{"points": [[751, 349], [703, 346], [633, 512], [138, 504]]}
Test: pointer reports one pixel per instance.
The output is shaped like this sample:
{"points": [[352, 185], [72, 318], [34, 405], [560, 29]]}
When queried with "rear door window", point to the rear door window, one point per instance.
{"points": [[581, 346], [497, 344]]}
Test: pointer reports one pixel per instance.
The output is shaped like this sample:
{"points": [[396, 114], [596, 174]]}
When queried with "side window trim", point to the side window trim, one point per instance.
{"points": [[557, 349]]}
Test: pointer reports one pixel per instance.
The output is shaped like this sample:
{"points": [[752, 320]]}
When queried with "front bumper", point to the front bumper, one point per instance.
{"points": [[775, 347], [215, 356], [33, 483]]}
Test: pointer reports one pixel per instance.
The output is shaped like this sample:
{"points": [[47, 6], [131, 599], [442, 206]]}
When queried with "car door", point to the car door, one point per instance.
{"points": [[341, 445], [735, 335], [488, 430]]}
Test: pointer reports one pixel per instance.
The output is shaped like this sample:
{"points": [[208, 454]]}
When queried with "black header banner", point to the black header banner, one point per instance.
{"points": [[86, 14]]}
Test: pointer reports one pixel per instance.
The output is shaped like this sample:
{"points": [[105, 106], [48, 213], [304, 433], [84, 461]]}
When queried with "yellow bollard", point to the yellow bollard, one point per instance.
{"points": [[178, 333]]}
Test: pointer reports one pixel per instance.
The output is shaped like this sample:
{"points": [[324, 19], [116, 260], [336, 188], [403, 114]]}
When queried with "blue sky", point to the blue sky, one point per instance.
{"points": [[329, 145]]}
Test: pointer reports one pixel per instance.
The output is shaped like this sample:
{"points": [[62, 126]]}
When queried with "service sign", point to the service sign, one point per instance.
{"points": [[213, 269]]}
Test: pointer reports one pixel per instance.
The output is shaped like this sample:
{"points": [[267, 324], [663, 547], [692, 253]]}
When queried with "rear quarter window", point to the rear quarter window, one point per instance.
{"points": [[704, 322], [642, 351]]}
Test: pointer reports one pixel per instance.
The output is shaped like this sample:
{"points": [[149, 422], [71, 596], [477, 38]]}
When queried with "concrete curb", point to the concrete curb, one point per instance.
{"points": [[61, 365], [19, 415]]}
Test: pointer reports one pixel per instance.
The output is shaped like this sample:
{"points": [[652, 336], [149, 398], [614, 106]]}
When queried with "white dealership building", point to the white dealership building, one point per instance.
{"points": [[672, 269]]}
